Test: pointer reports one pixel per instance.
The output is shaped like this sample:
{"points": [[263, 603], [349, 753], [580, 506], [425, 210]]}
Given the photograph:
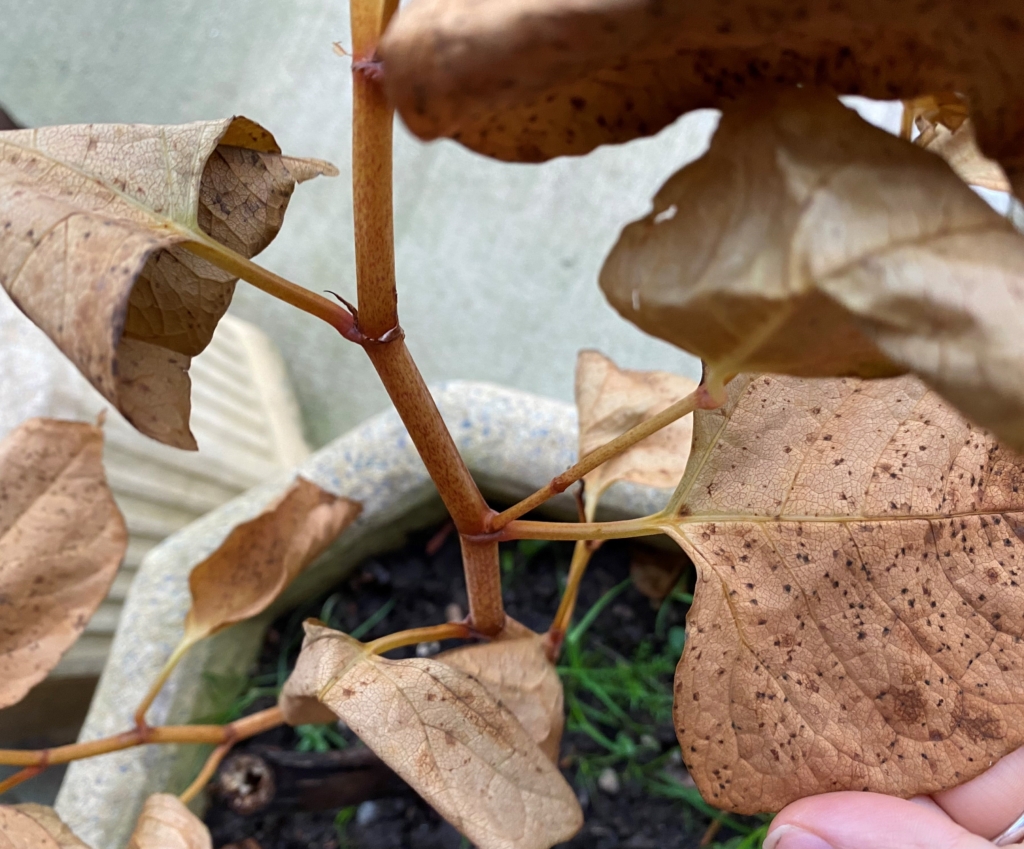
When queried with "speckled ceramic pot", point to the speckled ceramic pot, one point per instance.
{"points": [[513, 442]]}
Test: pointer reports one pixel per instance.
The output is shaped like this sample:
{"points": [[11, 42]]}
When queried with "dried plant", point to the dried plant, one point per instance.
{"points": [[848, 486]]}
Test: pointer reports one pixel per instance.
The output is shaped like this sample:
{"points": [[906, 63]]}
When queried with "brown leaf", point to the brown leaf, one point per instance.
{"points": [[35, 827], [808, 242], [446, 735], [857, 615], [960, 149], [610, 401], [261, 557], [518, 674], [165, 823], [528, 80], [61, 541], [94, 224], [655, 572], [946, 129]]}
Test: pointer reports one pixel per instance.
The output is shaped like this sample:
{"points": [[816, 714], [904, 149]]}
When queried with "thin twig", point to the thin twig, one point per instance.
{"points": [[21, 776], [400, 639], [698, 399], [527, 529], [273, 284], [240, 729], [206, 773]]}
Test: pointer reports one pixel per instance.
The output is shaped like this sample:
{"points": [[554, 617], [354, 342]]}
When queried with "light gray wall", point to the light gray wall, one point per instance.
{"points": [[497, 263]]}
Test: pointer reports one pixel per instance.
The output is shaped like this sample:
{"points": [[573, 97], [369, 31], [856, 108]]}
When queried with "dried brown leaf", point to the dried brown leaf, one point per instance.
{"points": [[61, 541], [94, 221], [518, 674], [655, 572], [165, 823], [532, 79], [35, 827], [610, 401], [446, 735], [261, 557], [960, 149], [857, 616], [808, 242]]}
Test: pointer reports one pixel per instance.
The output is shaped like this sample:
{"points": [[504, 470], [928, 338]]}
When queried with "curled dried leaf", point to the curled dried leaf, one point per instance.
{"points": [[446, 735], [610, 401], [261, 557], [528, 80], [857, 614], [518, 674], [960, 149], [165, 823], [61, 541], [945, 128], [95, 222], [35, 827], [808, 242]]}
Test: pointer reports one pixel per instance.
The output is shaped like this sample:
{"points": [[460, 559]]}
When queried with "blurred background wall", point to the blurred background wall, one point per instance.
{"points": [[497, 263]]}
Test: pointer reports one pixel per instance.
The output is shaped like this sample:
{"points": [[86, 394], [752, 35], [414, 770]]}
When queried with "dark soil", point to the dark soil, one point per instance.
{"points": [[423, 586]]}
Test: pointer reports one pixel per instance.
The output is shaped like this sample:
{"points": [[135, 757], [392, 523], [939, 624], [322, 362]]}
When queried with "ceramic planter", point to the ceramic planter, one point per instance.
{"points": [[513, 442]]}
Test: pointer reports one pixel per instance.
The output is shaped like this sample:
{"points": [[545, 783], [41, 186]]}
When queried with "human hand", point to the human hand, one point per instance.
{"points": [[970, 816]]}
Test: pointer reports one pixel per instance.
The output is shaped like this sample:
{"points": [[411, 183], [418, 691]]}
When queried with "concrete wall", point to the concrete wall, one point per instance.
{"points": [[497, 263]]}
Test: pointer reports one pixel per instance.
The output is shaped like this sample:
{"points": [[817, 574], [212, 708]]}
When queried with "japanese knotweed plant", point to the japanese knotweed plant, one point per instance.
{"points": [[858, 535]]}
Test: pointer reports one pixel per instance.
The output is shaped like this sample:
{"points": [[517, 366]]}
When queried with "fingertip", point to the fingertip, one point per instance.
{"points": [[851, 820], [989, 803]]}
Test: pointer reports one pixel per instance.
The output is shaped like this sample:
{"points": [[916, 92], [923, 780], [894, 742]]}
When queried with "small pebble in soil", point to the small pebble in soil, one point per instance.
{"points": [[428, 649], [367, 813], [453, 613], [608, 781]]}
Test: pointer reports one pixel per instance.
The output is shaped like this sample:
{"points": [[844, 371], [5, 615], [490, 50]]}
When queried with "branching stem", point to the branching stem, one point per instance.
{"points": [[378, 324], [241, 729], [206, 773], [698, 399], [400, 639], [525, 529], [284, 290], [581, 555]]}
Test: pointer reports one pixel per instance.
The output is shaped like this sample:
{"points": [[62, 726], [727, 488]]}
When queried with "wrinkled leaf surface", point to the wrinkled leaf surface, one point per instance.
{"points": [[858, 614], [35, 827], [518, 674], [261, 557], [61, 541], [528, 80], [165, 823], [808, 242], [610, 401], [446, 735]]}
